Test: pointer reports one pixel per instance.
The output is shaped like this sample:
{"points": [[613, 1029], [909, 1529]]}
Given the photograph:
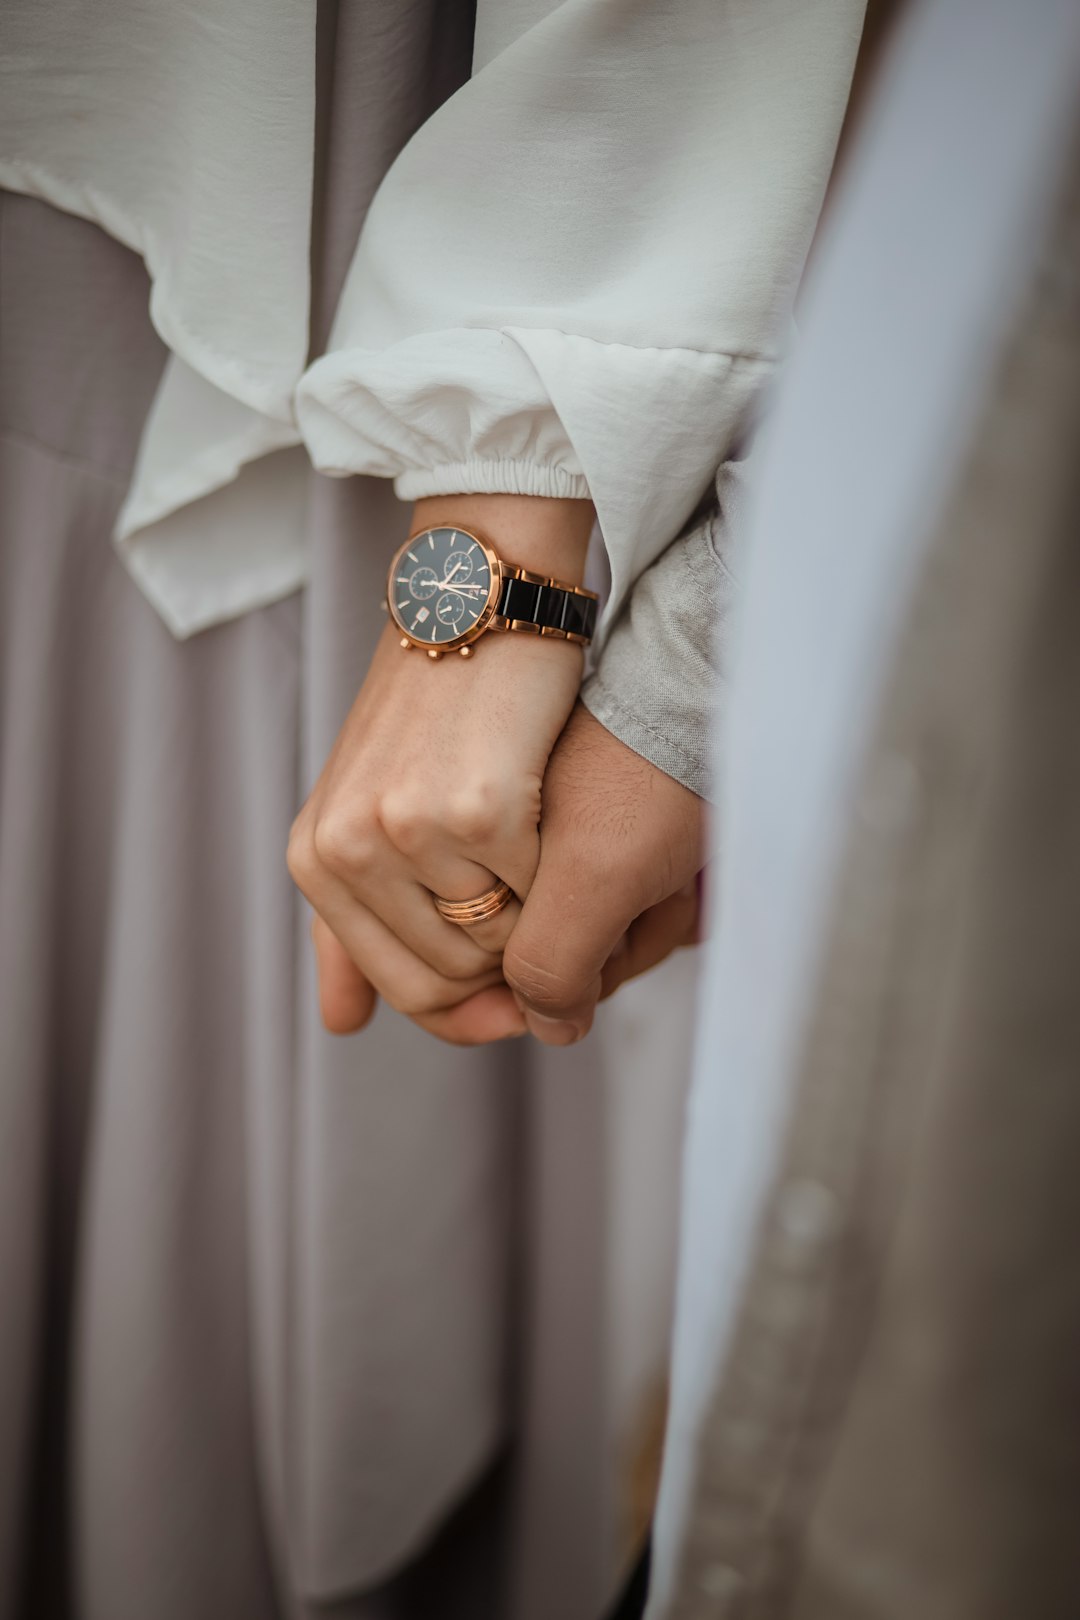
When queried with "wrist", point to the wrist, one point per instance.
{"points": [[546, 535]]}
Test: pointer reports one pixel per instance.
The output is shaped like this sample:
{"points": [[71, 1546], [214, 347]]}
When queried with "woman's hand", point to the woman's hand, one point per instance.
{"points": [[433, 787]]}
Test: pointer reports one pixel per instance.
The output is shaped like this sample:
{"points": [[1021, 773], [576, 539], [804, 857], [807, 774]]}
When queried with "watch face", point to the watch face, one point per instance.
{"points": [[440, 585]]}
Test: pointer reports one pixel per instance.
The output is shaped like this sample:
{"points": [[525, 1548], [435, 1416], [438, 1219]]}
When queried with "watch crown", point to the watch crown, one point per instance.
{"points": [[433, 654], [466, 652]]}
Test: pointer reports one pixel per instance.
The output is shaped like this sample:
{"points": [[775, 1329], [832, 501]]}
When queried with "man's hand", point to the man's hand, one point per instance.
{"points": [[615, 892]]}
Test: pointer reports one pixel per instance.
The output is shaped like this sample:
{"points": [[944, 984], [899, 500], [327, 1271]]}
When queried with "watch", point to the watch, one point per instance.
{"points": [[447, 587]]}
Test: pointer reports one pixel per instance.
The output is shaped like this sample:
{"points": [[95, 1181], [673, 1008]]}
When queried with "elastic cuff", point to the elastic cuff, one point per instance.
{"points": [[476, 477]]}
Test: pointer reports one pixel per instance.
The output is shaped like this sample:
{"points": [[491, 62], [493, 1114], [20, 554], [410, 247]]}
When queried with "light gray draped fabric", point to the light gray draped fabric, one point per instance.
{"points": [[274, 1305]]}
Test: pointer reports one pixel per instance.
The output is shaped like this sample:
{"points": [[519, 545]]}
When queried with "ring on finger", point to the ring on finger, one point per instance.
{"points": [[467, 912]]}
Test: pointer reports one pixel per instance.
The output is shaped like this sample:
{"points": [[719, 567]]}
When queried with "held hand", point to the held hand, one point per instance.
{"points": [[615, 891], [433, 788]]}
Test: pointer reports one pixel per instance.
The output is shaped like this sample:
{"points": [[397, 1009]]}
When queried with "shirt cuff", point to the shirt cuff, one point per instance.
{"points": [[478, 476], [660, 681]]}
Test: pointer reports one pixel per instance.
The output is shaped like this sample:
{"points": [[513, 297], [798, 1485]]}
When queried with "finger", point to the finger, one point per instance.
{"points": [[492, 1015], [555, 957], [462, 847], [408, 910], [346, 999], [350, 856], [396, 874], [402, 978], [346, 857], [456, 950], [652, 937], [503, 840], [492, 934]]}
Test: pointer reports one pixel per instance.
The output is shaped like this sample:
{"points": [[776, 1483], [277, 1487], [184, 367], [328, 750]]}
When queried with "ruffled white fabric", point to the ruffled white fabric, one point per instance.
{"points": [[536, 413], [186, 132], [570, 282], [586, 300], [213, 522]]}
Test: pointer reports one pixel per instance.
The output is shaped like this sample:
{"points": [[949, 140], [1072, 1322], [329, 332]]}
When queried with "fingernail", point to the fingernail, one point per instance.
{"points": [[553, 1031]]}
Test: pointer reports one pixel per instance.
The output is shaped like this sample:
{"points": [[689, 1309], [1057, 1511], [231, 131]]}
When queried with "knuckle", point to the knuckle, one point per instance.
{"points": [[344, 844], [414, 1000], [406, 820], [300, 852], [474, 814]]}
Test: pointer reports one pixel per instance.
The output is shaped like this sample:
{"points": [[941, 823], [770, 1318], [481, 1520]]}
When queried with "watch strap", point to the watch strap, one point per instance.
{"points": [[541, 606]]}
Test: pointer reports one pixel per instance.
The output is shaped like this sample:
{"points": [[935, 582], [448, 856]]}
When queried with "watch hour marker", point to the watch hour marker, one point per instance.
{"points": [[431, 541], [402, 606]]}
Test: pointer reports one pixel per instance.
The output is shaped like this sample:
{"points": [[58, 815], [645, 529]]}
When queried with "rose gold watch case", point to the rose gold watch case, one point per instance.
{"points": [[483, 622]]}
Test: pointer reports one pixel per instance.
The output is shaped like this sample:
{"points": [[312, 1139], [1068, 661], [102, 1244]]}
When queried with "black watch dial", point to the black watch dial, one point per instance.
{"points": [[440, 585]]}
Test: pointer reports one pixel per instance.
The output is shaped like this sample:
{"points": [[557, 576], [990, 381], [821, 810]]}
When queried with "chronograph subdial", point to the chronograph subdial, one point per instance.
{"points": [[450, 610], [459, 567], [423, 583]]}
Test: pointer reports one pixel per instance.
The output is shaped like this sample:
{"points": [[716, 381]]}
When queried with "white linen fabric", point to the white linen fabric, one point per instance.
{"points": [[571, 281], [945, 210]]}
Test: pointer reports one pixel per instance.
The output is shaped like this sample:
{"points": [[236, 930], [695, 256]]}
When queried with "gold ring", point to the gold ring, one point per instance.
{"points": [[479, 909]]}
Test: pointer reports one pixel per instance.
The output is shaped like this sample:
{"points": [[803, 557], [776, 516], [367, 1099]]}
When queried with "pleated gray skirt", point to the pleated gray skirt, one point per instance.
{"points": [[288, 1324]]}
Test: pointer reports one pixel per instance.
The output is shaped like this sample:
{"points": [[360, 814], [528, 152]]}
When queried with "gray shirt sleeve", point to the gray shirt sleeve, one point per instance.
{"points": [[662, 673]]}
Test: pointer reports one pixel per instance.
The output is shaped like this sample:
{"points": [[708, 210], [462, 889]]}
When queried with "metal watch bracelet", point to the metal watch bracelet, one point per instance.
{"points": [[537, 605]]}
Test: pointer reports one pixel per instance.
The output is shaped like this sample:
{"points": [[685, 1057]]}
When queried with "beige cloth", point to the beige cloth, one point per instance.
{"points": [[895, 1426], [271, 1304]]}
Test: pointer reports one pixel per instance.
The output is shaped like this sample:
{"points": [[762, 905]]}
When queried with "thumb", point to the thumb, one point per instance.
{"points": [[569, 925]]}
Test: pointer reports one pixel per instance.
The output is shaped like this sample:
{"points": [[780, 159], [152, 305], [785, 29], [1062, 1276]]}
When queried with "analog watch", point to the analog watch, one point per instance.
{"points": [[447, 587]]}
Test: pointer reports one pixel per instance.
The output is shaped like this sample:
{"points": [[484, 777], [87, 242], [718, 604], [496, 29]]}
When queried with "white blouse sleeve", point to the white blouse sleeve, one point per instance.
{"points": [[572, 280]]}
